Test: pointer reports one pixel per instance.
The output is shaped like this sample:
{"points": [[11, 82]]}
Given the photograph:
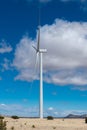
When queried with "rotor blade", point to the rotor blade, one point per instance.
{"points": [[34, 48], [35, 73], [35, 66], [39, 20], [38, 42]]}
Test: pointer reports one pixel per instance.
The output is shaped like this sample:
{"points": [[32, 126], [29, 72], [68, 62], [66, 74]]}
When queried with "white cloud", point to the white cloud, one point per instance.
{"points": [[28, 111], [66, 59], [2, 105], [6, 64], [63, 113], [4, 48], [25, 59], [50, 108], [17, 109]]}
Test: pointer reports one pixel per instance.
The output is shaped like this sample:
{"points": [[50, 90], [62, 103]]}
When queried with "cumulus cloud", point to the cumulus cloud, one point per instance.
{"points": [[66, 59], [25, 59], [4, 48]]}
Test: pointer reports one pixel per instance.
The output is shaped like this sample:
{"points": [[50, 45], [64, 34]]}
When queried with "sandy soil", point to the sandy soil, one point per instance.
{"points": [[44, 124]]}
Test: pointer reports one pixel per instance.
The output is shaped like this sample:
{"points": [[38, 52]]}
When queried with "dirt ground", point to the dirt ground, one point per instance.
{"points": [[44, 124]]}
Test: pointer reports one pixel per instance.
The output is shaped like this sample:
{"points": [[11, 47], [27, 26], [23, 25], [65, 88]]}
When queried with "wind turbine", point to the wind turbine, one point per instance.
{"points": [[40, 52]]}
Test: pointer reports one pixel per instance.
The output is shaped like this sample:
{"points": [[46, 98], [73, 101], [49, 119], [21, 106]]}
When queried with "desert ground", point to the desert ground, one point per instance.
{"points": [[44, 124]]}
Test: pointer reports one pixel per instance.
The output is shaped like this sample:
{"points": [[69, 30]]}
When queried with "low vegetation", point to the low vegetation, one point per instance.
{"points": [[86, 120], [54, 127], [12, 128], [50, 118], [15, 117], [33, 126], [25, 123], [3, 125], [1, 117]]}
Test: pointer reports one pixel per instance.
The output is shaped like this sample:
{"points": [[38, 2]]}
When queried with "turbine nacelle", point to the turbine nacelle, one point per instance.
{"points": [[39, 50], [42, 50]]}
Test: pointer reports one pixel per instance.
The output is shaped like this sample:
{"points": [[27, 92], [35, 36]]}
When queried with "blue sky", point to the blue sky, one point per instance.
{"points": [[64, 35]]}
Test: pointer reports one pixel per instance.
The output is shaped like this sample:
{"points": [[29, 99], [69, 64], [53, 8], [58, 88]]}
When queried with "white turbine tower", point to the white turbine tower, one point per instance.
{"points": [[40, 52]]}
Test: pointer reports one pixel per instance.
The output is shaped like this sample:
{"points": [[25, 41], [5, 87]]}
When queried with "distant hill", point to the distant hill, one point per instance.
{"points": [[83, 116], [76, 116]]}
